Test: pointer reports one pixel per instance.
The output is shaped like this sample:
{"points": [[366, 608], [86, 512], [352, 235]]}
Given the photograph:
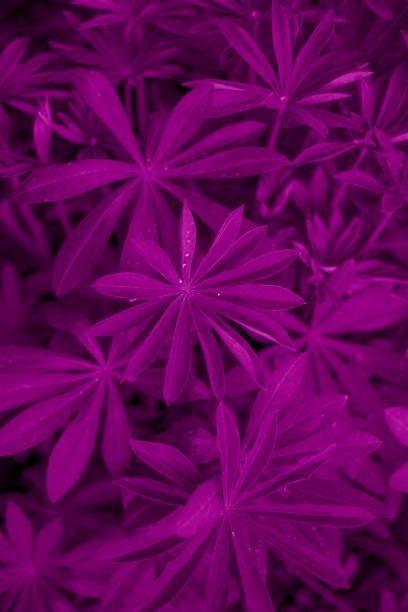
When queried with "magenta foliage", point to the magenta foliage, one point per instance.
{"points": [[203, 305]]}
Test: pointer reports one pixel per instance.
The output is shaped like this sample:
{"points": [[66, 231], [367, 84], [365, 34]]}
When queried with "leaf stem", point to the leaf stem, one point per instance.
{"points": [[141, 107], [273, 138], [267, 180], [376, 234], [343, 187], [129, 101]]}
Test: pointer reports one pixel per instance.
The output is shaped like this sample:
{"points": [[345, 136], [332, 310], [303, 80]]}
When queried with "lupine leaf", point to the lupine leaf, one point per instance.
{"points": [[64, 181], [85, 244], [397, 421], [178, 367], [39, 421], [73, 450], [248, 50], [255, 591], [184, 121], [105, 103], [228, 442], [168, 461]]}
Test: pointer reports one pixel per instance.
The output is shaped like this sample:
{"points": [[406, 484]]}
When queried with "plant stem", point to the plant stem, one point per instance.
{"points": [[266, 181], [129, 101], [273, 138], [343, 187], [141, 107], [63, 217], [376, 234]]}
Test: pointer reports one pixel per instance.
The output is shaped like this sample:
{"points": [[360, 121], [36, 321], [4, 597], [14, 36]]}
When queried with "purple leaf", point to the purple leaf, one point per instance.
{"points": [[241, 350], [368, 310], [154, 490], [246, 132], [257, 268], [86, 243], [235, 163], [255, 592], [184, 122], [156, 258], [19, 389], [311, 50], [188, 237], [282, 43], [102, 98], [211, 351], [130, 318], [325, 567], [19, 530], [73, 450], [204, 507], [177, 572], [323, 516], [322, 151], [256, 322], [148, 350], [257, 296], [228, 442], [247, 48], [64, 181], [256, 459], [218, 575], [360, 179], [225, 237], [133, 286], [167, 461], [116, 434], [399, 479], [300, 471], [48, 539], [282, 387], [178, 367], [397, 421], [39, 421]]}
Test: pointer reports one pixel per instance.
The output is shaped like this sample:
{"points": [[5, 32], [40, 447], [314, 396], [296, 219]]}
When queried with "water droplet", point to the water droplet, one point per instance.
{"points": [[218, 294]]}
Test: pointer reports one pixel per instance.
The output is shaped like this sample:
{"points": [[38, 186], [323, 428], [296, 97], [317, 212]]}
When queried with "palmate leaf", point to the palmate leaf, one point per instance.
{"points": [[304, 82], [167, 163], [201, 296]]}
